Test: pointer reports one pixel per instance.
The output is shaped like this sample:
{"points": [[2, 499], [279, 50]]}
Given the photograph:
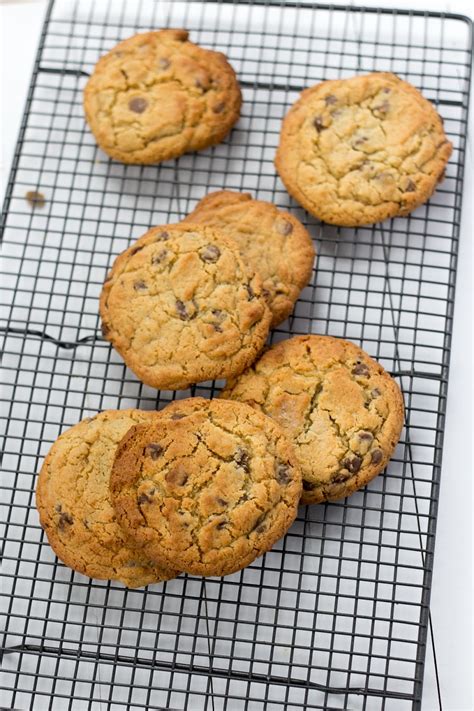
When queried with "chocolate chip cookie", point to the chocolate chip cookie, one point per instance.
{"points": [[357, 151], [73, 501], [342, 410], [273, 242], [156, 96], [208, 488], [181, 307]]}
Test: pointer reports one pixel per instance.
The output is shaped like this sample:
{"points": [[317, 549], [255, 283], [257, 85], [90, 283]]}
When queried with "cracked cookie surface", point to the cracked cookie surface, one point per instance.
{"points": [[156, 96], [342, 411], [208, 488], [274, 243], [181, 307], [73, 501], [360, 150]]}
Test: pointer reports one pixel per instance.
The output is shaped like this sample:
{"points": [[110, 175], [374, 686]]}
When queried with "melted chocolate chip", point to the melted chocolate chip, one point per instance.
{"points": [[221, 525], [260, 524], [143, 499], [383, 108], [318, 123], [340, 478], [241, 458], [138, 105], [65, 520], [140, 285], [282, 473], [154, 450], [365, 436], [105, 329], [284, 227], [158, 258], [177, 476], [219, 108], [411, 187], [163, 63], [375, 393], [331, 99], [353, 464], [181, 309], [86, 523], [250, 292], [210, 253], [308, 486], [359, 141], [360, 369], [58, 508], [134, 250], [221, 502], [162, 236], [377, 456], [177, 416], [217, 328]]}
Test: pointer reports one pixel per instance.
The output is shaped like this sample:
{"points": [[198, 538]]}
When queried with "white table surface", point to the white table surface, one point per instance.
{"points": [[452, 592]]}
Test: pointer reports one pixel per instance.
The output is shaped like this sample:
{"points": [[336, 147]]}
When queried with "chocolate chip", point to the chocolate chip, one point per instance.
{"points": [[250, 292], [331, 99], [105, 329], [65, 519], [265, 293], [181, 309], [219, 108], [375, 393], [35, 198], [353, 464], [282, 473], [58, 508], [177, 416], [377, 456], [158, 258], [163, 63], [221, 525], [143, 499], [221, 502], [241, 458], [340, 478], [308, 486], [360, 369], [154, 450], [162, 236], [217, 328], [140, 285], [217, 313], [138, 105], [318, 123], [260, 524], [210, 253], [359, 141], [86, 523], [284, 227], [134, 250], [177, 476], [411, 187], [383, 108], [365, 436]]}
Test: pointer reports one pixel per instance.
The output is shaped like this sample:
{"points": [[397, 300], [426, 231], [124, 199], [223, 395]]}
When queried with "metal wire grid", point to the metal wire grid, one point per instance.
{"points": [[335, 617]]}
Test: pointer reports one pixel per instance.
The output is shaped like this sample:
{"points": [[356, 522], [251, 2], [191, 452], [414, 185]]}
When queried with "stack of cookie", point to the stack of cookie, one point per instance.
{"points": [[206, 486]]}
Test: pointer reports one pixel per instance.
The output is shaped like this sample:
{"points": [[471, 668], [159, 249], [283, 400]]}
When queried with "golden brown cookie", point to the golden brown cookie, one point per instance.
{"points": [[341, 409], [272, 242], [156, 96], [360, 150], [181, 307], [208, 488], [73, 501]]}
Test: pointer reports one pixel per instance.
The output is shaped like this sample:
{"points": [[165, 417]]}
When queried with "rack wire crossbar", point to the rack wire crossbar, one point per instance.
{"points": [[336, 615]]}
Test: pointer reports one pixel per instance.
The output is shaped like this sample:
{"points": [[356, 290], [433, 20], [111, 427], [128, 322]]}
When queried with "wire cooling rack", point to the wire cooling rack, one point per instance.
{"points": [[336, 616]]}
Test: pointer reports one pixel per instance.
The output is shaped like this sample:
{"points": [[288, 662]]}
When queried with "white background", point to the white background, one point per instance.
{"points": [[452, 593]]}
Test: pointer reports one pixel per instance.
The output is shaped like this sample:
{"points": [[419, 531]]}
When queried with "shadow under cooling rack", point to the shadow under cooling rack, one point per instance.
{"points": [[336, 615]]}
